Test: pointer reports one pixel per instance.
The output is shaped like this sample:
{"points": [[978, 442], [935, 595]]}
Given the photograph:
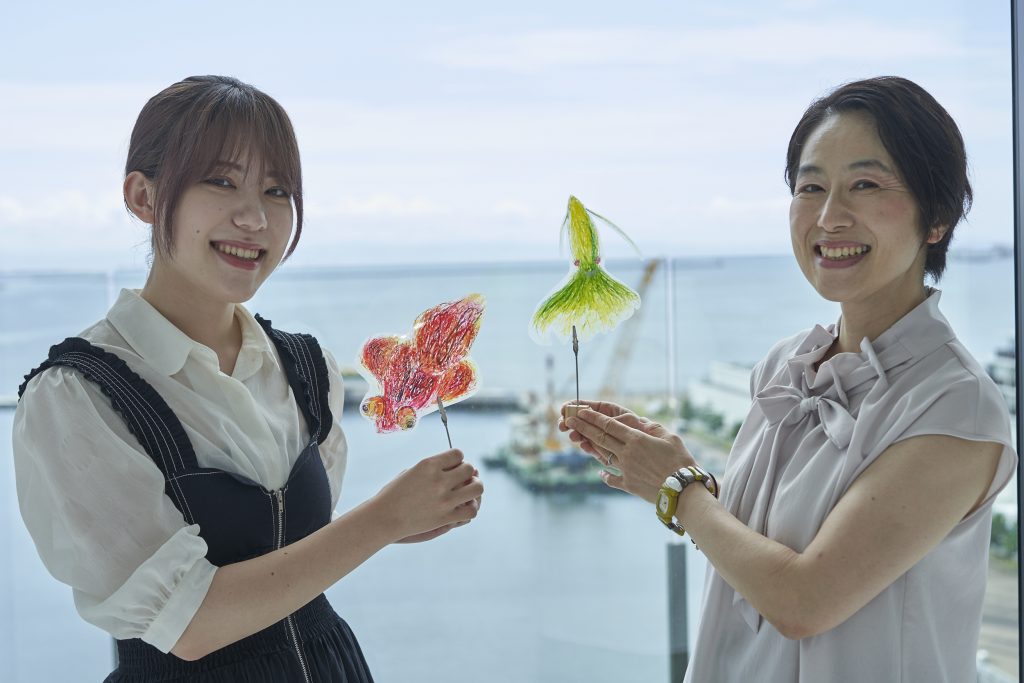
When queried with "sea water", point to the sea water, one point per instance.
{"points": [[538, 587]]}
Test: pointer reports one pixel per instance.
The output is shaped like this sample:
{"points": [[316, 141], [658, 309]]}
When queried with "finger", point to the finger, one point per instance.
{"points": [[467, 493], [581, 442], [464, 521], [604, 407], [448, 459], [461, 513], [613, 480], [632, 420], [459, 475], [590, 449], [595, 434], [610, 426]]}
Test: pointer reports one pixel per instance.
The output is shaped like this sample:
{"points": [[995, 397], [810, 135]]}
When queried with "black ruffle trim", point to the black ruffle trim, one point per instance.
{"points": [[319, 429], [146, 391]]}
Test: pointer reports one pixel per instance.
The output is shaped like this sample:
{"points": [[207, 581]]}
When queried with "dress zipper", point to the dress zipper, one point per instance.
{"points": [[278, 543]]}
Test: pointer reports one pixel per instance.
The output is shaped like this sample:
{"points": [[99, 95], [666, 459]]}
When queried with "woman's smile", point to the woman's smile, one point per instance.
{"points": [[840, 254], [238, 255]]}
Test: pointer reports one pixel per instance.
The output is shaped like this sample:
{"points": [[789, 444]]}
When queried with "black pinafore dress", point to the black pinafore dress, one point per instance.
{"points": [[238, 518]]}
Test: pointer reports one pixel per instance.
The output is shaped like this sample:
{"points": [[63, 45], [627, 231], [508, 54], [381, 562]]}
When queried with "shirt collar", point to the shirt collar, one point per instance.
{"points": [[912, 337], [166, 348], [256, 347]]}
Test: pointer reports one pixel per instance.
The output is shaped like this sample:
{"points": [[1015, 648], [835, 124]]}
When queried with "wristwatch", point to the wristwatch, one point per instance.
{"points": [[668, 496]]}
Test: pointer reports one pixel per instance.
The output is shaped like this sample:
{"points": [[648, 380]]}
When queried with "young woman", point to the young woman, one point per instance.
{"points": [[851, 540], [178, 463]]}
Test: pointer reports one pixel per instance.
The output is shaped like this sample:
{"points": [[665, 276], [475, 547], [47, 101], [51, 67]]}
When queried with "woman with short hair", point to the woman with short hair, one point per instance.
{"points": [[851, 538]]}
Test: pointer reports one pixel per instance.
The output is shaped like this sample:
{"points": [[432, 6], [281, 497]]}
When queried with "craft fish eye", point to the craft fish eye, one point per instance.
{"points": [[405, 417], [372, 406]]}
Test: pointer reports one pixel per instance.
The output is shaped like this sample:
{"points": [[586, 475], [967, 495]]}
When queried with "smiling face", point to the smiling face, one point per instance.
{"points": [[854, 224], [230, 232]]}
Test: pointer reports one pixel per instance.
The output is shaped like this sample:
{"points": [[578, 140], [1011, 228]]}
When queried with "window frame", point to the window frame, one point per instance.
{"points": [[1017, 70]]}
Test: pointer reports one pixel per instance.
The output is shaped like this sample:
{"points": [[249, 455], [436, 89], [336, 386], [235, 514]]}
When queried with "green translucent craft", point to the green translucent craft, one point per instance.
{"points": [[588, 297]]}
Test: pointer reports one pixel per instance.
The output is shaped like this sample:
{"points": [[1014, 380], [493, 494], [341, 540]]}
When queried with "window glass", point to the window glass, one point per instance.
{"points": [[439, 147]]}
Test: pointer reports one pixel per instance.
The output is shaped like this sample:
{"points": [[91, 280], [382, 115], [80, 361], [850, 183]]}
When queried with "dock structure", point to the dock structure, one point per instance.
{"points": [[485, 399]]}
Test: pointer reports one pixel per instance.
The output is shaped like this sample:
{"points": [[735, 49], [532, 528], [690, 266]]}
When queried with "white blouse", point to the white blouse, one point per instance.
{"points": [[92, 498], [808, 436]]}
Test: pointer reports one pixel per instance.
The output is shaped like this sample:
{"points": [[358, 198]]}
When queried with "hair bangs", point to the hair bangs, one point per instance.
{"points": [[220, 120]]}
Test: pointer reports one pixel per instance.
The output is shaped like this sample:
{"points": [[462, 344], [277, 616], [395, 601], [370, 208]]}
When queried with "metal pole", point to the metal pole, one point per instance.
{"points": [[678, 634], [1018, 262], [670, 334]]}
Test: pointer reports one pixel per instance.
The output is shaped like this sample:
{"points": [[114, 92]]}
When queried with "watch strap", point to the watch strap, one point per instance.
{"points": [[674, 486]]}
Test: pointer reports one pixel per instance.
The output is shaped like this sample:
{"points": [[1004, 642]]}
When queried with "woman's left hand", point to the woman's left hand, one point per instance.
{"points": [[643, 450]]}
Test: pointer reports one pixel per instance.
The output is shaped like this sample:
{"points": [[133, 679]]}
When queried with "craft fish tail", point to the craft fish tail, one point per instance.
{"points": [[592, 300]]}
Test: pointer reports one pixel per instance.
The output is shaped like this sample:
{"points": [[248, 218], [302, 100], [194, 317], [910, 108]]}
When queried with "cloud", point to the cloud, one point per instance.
{"points": [[54, 116], [727, 207], [678, 132], [376, 204], [780, 43], [71, 207]]}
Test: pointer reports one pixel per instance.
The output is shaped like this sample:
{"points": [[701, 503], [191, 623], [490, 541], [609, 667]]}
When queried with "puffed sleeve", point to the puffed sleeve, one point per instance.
{"points": [[334, 449], [94, 504]]}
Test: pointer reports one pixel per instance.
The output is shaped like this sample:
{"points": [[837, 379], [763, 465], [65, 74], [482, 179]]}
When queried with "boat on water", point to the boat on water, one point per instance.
{"points": [[540, 457], [543, 459]]}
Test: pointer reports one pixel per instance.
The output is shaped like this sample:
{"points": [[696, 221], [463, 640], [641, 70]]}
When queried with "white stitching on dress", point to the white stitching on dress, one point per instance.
{"points": [[304, 357], [129, 393]]}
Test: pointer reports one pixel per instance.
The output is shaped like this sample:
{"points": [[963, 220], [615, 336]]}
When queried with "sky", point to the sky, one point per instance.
{"points": [[455, 131]]}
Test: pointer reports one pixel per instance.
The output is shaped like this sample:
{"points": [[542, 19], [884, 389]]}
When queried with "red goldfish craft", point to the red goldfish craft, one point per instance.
{"points": [[407, 376]]}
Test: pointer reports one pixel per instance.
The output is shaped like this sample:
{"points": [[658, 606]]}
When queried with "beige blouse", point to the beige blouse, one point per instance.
{"points": [[809, 434], [92, 498]]}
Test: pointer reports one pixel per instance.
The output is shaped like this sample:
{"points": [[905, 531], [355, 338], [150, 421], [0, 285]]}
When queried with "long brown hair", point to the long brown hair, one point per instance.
{"points": [[186, 128]]}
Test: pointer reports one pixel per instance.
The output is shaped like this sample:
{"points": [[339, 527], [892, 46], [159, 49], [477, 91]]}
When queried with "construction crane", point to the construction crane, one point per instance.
{"points": [[626, 340]]}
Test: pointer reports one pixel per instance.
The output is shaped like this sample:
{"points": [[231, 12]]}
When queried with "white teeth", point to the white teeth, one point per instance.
{"points": [[250, 254], [842, 252]]}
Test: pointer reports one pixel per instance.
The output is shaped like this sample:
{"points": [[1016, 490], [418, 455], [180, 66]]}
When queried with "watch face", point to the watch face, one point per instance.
{"points": [[663, 503]]}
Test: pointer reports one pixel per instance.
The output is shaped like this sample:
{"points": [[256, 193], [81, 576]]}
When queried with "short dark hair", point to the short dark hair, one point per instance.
{"points": [[186, 128], [922, 139]]}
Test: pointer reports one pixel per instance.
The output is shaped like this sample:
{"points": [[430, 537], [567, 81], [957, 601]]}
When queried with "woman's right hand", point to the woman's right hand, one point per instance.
{"points": [[612, 410], [643, 451], [431, 497]]}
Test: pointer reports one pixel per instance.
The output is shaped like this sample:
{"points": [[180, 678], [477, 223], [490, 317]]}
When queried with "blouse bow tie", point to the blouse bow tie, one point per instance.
{"points": [[788, 405]]}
